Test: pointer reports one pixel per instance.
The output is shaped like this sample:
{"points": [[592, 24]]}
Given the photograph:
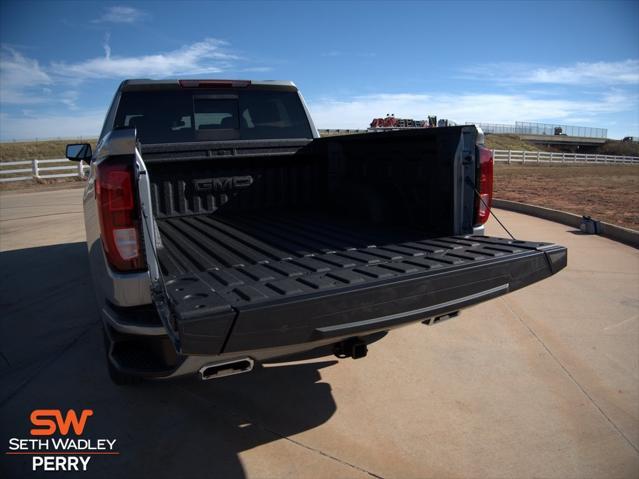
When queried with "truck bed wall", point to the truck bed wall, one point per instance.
{"points": [[384, 178], [244, 184]]}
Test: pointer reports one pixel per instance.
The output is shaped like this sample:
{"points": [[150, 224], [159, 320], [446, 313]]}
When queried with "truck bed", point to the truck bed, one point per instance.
{"points": [[202, 242], [250, 281]]}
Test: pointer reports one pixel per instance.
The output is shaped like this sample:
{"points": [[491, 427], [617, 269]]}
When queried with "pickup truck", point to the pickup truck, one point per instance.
{"points": [[222, 231]]}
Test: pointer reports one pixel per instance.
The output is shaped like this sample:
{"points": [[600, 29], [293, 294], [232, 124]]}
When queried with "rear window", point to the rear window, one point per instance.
{"points": [[172, 116]]}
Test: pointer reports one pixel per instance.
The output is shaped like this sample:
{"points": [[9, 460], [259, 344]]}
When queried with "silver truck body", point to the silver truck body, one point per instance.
{"points": [[121, 296], [129, 290]]}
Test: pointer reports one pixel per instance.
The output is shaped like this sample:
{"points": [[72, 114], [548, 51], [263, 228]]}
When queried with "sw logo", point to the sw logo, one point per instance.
{"points": [[50, 448], [42, 417]]}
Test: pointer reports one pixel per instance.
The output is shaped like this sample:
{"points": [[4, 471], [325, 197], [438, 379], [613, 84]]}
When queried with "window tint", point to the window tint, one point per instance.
{"points": [[184, 115], [270, 114], [215, 113]]}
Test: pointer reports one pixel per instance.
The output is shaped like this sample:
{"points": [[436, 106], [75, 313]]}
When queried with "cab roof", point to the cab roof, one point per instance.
{"points": [[147, 84]]}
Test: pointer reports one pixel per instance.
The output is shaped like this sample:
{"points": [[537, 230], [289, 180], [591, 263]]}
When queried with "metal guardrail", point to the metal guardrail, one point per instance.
{"points": [[528, 128], [37, 171], [569, 130], [523, 157]]}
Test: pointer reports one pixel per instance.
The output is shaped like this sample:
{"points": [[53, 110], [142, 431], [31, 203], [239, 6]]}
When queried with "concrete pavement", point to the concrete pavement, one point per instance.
{"points": [[541, 383]]}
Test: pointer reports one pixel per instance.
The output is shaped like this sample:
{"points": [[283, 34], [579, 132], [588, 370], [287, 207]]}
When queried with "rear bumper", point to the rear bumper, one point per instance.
{"points": [[137, 350], [139, 320], [402, 291]]}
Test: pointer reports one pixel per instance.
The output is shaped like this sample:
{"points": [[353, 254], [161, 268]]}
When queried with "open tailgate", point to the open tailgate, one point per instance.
{"points": [[343, 294]]}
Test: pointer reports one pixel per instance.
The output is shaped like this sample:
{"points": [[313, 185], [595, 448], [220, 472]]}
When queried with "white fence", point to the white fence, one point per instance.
{"points": [[513, 156], [43, 169], [40, 169]]}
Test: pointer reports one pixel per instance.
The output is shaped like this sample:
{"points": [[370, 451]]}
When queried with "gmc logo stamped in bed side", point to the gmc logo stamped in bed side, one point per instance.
{"points": [[223, 183]]}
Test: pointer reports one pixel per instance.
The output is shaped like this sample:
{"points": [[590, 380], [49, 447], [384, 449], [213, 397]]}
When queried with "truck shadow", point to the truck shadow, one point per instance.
{"points": [[52, 357]]}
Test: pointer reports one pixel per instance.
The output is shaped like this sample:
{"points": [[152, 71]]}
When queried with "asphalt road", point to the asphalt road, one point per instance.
{"points": [[541, 383]]}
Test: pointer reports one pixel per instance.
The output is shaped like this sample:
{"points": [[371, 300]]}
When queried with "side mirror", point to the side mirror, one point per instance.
{"points": [[79, 152]]}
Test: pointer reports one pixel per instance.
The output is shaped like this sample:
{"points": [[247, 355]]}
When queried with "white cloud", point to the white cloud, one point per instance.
{"points": [[357, 112], [22, 80], [69, 98], [585, 73], [597, 73], [205, 57], [121, 14], [255, 69], [106, 46]]}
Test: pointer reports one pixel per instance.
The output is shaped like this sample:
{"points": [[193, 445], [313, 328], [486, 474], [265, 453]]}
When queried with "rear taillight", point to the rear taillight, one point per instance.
{"points": [[484, 186], [119, 219]]}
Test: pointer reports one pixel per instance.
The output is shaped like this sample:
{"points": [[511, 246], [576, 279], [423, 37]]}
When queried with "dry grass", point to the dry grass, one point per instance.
{"points": [[28, 150], [36, 150], [512, 142], [607, 193], [39, 150], [615, 147]]}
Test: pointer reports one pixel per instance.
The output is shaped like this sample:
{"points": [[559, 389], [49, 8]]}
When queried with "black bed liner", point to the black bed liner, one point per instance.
{"points": [[198, 243], [257, 281]]}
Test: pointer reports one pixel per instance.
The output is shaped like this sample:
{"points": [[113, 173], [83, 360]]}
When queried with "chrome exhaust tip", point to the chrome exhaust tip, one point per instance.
{"points": [[228, 368]]}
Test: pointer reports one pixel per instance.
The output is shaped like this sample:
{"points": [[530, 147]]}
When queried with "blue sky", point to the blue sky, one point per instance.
{"points": [[548, 61]]}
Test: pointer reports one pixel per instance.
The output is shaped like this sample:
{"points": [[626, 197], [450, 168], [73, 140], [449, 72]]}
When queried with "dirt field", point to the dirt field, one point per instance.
{"points": [[607, 193]]}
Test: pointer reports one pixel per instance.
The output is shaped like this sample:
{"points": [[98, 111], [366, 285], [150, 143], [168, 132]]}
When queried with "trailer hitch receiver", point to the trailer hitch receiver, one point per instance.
{"points": [[351, 348]]}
